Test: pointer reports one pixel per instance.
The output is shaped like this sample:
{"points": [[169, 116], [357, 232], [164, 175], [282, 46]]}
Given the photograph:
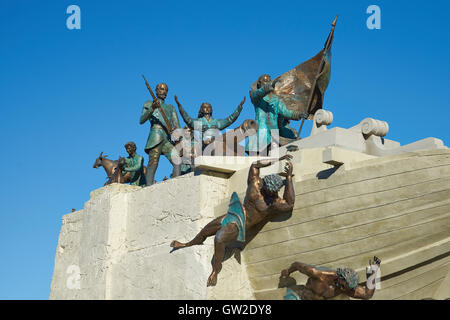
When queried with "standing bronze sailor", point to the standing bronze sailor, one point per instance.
{"points": [[164, 120], [268, 108], [242, 222], [296, 94]]}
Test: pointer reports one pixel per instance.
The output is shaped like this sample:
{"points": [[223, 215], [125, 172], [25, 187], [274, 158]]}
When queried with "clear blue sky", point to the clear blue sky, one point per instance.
{"points": [[66, 94]]}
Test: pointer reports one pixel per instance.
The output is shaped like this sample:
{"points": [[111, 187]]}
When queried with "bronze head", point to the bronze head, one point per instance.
{"points": [[98, 161], [262, 80], [347, 278], [272, 184], [205, 109], [131, 148], [161, 90]]}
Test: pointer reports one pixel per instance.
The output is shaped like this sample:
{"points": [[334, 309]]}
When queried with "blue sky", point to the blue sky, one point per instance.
{"points": [[66, 95]]}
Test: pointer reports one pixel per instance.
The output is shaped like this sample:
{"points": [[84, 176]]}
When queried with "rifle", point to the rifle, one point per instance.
{"points": [[169, 126]]}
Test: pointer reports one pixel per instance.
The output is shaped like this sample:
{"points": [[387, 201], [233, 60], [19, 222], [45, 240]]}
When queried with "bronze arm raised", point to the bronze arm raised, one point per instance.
{"points": [[362, 292], [224, 123], [304, 268], [268, 162], [254, 168], [287, 203], [189, 121], [289, 193]]}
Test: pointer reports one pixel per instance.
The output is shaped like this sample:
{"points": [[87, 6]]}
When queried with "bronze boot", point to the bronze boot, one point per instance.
{"points": [[176, 170]]}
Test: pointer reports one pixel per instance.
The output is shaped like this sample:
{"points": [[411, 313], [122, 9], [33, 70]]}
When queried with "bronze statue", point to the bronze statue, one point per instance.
{"points": [[209, 126], [324, 283], [296, 94], [164, 120], [187, 150], [302, 88], [112, 174], [117, 175], [242, 222], [228, 144], [134, 166], [123, 170], [268, 108]]}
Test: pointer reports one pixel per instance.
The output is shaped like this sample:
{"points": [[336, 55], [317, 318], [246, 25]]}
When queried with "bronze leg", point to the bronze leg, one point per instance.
{"points": [[153, 159], [225, 235], [209, 230], [171, 153]]}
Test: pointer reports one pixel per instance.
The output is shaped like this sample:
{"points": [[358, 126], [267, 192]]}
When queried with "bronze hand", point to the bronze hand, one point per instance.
{"points": [[155, 105], [377, 260], [274, 82], [285, 273], [242, 103], [370, 271], [288, 168], [285, 157]]}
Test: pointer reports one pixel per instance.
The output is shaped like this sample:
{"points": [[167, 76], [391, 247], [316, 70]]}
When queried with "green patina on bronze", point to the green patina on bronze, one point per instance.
{"points": [[209, 126], [135, 166], [164, 120], [298, 93], [159, 132], [268, 108]]}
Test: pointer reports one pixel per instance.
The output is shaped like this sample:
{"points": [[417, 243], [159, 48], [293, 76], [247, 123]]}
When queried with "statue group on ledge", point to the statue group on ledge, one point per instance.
{"points": [[296, 94]]}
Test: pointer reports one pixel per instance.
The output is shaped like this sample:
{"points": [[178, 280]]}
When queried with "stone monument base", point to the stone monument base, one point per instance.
{"points": [[354, 199]]}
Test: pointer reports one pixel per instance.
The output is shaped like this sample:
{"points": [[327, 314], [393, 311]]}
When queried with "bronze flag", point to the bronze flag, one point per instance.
{"points": [[302, 88]]}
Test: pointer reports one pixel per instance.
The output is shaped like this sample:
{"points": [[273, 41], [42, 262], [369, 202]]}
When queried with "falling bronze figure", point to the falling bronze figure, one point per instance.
{"points": [[242, 222], [324, 283]]}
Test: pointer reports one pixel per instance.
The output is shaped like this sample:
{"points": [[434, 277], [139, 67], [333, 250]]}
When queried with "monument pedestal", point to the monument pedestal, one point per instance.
{"points": [[351, 204], [120, 240]]}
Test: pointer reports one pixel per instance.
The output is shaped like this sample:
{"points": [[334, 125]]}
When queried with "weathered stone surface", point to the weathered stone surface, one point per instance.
{"points": [[120, 242]]}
